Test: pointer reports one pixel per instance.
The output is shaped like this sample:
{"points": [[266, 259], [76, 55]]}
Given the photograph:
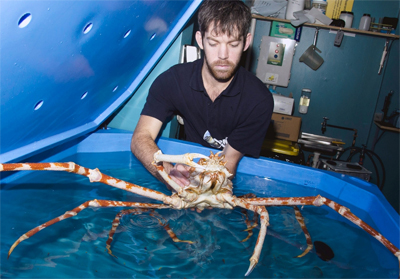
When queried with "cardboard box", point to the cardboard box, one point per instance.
{"points": [[283, 104], [284, 127]]}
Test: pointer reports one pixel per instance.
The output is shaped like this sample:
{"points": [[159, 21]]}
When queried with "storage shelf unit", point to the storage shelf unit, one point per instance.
{"points": [[350, 30]]}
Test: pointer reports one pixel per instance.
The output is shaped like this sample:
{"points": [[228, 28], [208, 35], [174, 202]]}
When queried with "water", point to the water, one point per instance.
{"points": [[75, 248]]}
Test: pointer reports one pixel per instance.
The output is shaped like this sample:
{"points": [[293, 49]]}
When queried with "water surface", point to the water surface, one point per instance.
{"points": [[75, 248]]}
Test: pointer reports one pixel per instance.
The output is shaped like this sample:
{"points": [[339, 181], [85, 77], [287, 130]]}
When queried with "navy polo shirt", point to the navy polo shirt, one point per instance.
{"points": [[241, 113]]}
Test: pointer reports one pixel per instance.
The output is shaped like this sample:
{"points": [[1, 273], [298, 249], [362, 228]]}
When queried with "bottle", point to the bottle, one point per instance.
{"points": [[347, 17], [365, 22], [304, 100], [320, 5], [294, 6], [307, 4]]}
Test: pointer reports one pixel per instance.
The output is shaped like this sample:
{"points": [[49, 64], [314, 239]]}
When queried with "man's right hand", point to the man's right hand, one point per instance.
{"points": [[180, 174]]}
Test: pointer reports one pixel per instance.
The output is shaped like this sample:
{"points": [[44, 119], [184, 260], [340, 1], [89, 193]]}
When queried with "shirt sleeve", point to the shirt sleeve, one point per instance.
{"points": [[159, 100], [248, 137]]}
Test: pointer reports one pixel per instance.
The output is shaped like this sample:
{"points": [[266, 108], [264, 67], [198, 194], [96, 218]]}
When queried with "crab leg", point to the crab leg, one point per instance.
{"points": [[300, 219], [76, 210], [264, 222], [167, 228], [186, 159], [93, 175], [250, 226], [116, 222], [136, 211], [342, 210]]}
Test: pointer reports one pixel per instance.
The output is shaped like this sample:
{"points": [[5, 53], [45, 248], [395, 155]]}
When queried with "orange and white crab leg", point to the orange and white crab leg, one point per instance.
{"points": [[115, 223], [135, 211], [167, 228], [186, 159], [94, 175], [264, 222], [342, 210], [249, 225], [76, 210], [300, 220]]}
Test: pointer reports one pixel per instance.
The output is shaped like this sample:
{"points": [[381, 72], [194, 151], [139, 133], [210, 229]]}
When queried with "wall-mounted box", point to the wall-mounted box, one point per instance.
{"points": [[283, 104], [275, 60]]}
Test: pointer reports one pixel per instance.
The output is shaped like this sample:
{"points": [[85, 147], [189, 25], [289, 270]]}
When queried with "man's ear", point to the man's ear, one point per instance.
{"points": [[247, 41], [199, 39]]}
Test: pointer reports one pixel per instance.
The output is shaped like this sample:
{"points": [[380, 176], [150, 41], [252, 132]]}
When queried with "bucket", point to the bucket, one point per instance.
{"points": [[311, 58]]}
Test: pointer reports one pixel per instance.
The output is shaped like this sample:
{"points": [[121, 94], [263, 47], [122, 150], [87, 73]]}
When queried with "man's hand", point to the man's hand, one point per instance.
{"points": [[180, 174]]}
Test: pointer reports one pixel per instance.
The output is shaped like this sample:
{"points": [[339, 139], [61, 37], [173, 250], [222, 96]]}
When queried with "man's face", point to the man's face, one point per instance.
{"points": [[222, 53]]}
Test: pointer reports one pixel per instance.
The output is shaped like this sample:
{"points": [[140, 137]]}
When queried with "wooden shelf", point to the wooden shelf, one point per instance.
{"points": [[383, 127], [386, 127], [350, 30]]}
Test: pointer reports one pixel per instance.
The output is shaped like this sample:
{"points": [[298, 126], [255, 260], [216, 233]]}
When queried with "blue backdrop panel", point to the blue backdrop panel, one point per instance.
{"points": [[67, 65]]}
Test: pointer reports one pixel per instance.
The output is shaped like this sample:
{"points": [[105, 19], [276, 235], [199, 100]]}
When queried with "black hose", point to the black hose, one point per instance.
{"points": [[383, 168], [376, 171], [359, 150], [371, 156]]}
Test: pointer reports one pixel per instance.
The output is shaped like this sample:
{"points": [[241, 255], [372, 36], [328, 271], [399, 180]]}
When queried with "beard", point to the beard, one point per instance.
{"points": [[221, 75]]}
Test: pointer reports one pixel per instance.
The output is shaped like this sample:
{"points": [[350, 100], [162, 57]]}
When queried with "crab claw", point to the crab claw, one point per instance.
{"points": [[253, 263], [186, 159]]}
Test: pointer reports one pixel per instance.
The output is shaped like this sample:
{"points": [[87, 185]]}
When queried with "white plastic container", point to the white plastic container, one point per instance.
{"points": [[320, 5], [294, 6], [348, 18], [304, 100], [365, 22]]}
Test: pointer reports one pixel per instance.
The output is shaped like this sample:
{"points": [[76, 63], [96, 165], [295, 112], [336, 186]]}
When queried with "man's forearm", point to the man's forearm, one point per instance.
{"points": [[232, 158], [144, 147]]}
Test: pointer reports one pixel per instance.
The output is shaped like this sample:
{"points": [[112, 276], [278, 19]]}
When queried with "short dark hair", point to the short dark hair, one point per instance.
{"points": [[230, 17]]}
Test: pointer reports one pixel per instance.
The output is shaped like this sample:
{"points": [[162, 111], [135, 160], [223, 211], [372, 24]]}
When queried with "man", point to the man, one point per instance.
{"points": [[222, 104]]}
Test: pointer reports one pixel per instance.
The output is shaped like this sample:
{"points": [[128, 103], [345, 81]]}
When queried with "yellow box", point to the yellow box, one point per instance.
{"points": [[281, 146], [335, 7]]}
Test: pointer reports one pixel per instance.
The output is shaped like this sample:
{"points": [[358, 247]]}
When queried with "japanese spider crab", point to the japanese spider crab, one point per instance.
{"points": [[210, 186]]}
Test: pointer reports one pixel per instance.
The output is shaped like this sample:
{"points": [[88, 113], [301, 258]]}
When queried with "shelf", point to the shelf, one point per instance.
{"points": [[386, 127], [350, 30]]}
